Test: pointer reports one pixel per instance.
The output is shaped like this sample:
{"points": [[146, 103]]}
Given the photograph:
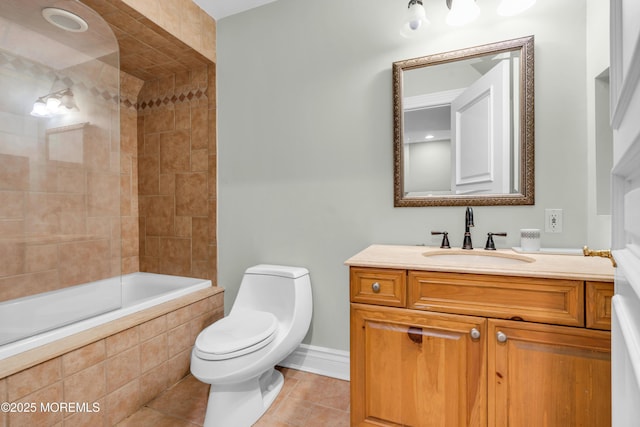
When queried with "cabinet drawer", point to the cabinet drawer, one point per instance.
{"points": [[598, 299], [378, 286], [552, 301]]}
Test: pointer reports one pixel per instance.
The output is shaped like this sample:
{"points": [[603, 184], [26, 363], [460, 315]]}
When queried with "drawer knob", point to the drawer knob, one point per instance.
{"points": [[501, 336], [375, 287], [475, 333]]}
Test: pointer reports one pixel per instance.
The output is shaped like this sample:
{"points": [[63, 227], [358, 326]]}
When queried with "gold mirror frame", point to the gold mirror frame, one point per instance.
{"points": [[527, 136]]}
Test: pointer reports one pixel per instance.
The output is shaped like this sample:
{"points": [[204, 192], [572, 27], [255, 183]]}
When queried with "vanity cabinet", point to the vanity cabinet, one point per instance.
{"points": [[544, 375], [411, 368], [472, 349]]}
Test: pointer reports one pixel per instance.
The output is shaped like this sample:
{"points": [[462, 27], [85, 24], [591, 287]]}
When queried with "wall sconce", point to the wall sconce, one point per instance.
{"points": [[461, 12], [59, 102]]}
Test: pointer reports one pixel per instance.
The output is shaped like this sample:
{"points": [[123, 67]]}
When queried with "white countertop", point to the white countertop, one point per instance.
{"points": [[537, 265]]}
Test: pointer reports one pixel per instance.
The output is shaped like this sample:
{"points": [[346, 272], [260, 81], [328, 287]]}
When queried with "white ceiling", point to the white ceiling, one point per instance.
{"points": [[222, 8]]}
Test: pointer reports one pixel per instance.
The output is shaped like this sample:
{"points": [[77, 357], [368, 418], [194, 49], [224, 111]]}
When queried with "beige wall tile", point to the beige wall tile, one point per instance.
{"points": [[149, 264], [159, 121], [89, 419], [178, 317], [151, 144], [179, 339], [33, 379], [122, 341], [71, 180], [154, 351], [102, 194], [168, 184], [123, 402], [88, 385], [130, 234], [199, 128], [200, 160], [153, 382], [53, 393], [152, 328], [130, 264], [11, 204], [175, 152], [12, 258], [28, 284], [200, 238], [148, 175], [175, 256], [40, 257], [191, 194], [125, 194], [14, 172], [178, 366], [83, 262], [83, 357], [123, 368], [183, 226]]}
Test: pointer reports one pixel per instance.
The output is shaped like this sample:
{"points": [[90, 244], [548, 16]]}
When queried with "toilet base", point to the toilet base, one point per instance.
{"points": [[242, 404]]}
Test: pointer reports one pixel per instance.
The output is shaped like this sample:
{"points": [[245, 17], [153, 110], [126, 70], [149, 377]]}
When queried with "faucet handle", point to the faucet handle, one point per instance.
{"points": [[490, 246], [445, 239]]}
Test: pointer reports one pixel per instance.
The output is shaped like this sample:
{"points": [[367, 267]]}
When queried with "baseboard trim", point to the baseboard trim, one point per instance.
{"points": [[319, 360]]}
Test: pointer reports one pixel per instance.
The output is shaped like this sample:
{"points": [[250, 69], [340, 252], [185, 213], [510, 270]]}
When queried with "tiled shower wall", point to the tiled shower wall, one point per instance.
{"points": [[129, 90], [177, 175], [59, 207]]}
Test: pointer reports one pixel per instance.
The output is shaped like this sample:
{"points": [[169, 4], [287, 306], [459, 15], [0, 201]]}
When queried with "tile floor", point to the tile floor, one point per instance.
{"points": [[305, 400]]}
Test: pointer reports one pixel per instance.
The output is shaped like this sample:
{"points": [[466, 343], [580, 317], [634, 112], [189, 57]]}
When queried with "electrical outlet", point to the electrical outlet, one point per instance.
{"points": [[553, 220]]}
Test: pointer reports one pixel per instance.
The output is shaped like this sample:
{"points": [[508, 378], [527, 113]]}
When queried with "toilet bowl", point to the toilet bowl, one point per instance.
{"points": [[237, 354]]}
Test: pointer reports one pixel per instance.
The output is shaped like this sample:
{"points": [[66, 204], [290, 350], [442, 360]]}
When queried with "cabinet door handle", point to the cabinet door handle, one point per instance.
{"points": [[415, 334], [501, 336], [375, 287], [475, 333]]}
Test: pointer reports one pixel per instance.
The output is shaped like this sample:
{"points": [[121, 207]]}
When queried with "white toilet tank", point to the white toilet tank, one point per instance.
{"points": [[274, 288]]}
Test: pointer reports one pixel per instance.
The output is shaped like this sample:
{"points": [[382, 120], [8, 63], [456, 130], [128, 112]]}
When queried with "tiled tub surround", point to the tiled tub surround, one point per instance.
{"points": [[176, 175], [120, 365], [162, 44], [44, 318]]}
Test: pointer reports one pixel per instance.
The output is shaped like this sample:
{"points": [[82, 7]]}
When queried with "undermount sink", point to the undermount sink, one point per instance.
{"points": [[476, 257]]}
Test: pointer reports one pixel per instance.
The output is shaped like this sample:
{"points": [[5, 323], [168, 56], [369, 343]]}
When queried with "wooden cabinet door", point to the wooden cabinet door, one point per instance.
{"points": [[544, 375], [411, 368]]}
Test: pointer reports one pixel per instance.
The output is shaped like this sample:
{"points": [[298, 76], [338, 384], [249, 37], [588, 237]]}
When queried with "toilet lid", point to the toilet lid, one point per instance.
{"points": [[236, 335]]}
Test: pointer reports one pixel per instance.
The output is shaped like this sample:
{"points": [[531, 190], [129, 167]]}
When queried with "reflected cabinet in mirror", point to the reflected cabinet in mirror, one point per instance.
{"points": [[464, 127]]}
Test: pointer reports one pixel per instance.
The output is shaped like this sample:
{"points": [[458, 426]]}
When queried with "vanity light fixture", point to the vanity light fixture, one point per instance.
{"points": [[54, 103], [461, 12], [416, 18]]}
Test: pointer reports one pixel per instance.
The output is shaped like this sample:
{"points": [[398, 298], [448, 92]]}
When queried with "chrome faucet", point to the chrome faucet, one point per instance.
{"points": [[468, 222]]}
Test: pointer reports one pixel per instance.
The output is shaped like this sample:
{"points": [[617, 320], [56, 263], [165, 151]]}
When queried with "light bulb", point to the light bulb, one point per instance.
{"points": [[513, 7], [417, 16], [462, 12], [52, 104], [39, 108]]}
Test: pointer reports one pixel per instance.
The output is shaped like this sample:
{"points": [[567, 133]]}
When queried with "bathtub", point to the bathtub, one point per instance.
{"points": [[51, 316]]}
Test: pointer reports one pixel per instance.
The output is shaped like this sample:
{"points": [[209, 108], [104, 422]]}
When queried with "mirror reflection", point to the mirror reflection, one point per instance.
{"points": [[463, 124]]}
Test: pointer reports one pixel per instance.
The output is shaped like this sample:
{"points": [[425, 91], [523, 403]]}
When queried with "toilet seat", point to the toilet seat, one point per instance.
{"points": [[236, 335]]}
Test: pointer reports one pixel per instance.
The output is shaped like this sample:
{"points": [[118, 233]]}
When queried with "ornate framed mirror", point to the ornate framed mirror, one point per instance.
{"points": [[464, 126]]}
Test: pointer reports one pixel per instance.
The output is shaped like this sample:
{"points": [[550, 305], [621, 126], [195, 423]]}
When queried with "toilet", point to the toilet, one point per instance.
{"points": [[237, 354]]}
